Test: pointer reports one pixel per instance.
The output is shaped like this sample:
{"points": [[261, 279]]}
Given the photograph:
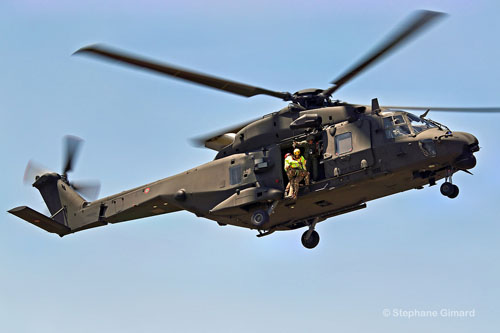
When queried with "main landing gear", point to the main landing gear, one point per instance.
{"points": [[259, 217], [448, 189], [310, 238]]}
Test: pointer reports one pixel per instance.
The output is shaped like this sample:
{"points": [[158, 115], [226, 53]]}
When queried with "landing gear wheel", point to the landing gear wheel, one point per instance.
{"points": [[312, 241], [455, 192], [259, 218], [448, 189]]}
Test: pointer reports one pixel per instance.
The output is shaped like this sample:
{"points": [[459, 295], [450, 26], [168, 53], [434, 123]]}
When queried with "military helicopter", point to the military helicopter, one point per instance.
{"points": [[362, 152]]}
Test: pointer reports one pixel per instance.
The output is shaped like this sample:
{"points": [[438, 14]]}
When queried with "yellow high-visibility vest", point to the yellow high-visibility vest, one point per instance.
{"points": [[295, 164]]}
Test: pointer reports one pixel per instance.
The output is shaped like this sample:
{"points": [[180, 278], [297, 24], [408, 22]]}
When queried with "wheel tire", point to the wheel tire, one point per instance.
{"points": [[455, 192], [447, 189], [313, 240], [259, 218]]}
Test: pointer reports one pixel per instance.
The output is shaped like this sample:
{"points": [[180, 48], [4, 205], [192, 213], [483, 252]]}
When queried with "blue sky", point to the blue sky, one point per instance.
{"points": [[414, 251]]}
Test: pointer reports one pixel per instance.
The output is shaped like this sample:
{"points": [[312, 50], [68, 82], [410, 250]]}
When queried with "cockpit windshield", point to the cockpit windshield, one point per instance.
{"points": [[418, 124]]}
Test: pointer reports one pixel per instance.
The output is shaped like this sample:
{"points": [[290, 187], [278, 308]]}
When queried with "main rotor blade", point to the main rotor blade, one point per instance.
{"points": [[180, 73], [412, 26], [72, 144], [215, 139], [445, 109]]}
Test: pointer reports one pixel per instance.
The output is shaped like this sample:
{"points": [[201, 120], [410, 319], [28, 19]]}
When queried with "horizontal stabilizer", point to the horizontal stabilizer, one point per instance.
{"points": [[40, 220]]}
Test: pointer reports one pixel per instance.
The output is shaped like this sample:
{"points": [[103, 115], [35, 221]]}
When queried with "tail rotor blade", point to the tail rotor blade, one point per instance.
{"points": [[88, 189], [72, 145], [33, 170]]}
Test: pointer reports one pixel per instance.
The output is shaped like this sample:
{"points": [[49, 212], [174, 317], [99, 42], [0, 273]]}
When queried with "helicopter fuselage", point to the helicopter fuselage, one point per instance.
{"points": [[363, 156]]}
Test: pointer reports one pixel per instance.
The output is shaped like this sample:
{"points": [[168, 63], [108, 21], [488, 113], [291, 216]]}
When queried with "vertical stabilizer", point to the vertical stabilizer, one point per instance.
{"points": [[60, 198]]}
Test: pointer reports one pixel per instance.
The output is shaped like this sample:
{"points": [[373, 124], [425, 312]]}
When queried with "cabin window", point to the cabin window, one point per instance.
{"points": [[235, 174], [343, 143]]}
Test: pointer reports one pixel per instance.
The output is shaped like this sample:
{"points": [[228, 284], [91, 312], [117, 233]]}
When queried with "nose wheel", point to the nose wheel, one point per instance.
{"points": [[448, 189]]}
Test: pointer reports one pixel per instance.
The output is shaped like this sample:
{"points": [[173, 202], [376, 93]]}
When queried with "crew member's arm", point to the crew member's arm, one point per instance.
{"points": [[303, 162], [287, 164], [300, 144]]}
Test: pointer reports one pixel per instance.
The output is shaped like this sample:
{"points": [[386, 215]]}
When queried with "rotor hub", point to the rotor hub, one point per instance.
{"points": [[311, 98]]}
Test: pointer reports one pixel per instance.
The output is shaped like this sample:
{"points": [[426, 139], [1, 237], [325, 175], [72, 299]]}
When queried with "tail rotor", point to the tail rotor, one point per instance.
{"points": [[72, 145]]}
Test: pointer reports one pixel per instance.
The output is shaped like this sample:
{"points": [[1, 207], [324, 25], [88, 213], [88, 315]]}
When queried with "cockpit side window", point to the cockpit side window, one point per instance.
{"points": [[395, 126], [398, 120]]}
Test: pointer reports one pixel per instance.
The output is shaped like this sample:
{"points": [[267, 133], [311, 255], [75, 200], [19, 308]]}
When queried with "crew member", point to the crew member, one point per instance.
{"points": [[311, 154], [295, 167]]}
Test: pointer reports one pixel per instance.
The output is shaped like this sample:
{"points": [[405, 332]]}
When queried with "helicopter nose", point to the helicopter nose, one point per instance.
{"points": [[469, 140], [467, 160]]}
